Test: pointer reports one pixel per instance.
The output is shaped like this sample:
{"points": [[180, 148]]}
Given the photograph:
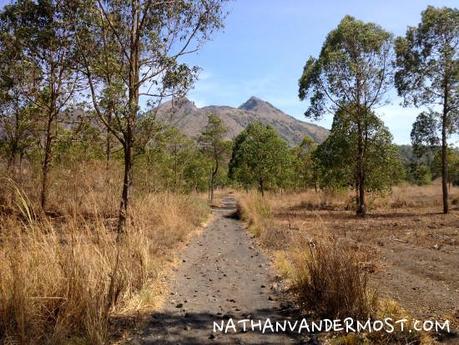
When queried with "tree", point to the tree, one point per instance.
{"points": [[354, 67], [428, 74], [147, 39], [453, 165], [213, 144], [303, 163], [43, 34], [334, 157], [260, 157], [171, 160], [16, 111]]}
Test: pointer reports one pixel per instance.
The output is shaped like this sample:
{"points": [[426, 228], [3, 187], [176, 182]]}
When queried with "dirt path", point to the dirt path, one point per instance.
{"points": [[222, 276]]}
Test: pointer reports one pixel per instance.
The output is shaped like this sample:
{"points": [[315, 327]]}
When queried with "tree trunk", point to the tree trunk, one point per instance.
{"points": [[211, 191], [212, 181], [108, 143], [361, 209], [262, 187], [444, 161], [46, 163], [127, 182], [134, 69], [14, 145]]}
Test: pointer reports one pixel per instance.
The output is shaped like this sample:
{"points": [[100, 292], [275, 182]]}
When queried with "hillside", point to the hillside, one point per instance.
{"points": [[184, 115]]}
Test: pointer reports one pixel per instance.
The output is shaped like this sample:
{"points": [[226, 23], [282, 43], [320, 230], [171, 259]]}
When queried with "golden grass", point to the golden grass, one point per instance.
{"points": [[324, 251], [64, 277]]}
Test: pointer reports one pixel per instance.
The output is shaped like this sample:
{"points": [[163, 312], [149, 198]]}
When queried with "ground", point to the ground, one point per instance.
{"points": [[412, 255], [222, 275], [409, 251]]}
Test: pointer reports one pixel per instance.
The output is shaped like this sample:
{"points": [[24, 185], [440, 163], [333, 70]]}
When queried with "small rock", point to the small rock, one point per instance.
{"points": [[179, 305], [211, 336]]}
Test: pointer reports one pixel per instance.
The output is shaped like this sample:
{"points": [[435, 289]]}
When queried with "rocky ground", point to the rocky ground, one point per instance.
{"points": [[222, 276]]}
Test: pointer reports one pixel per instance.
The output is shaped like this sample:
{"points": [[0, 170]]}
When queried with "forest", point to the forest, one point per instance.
{"points": [[99, 197]]}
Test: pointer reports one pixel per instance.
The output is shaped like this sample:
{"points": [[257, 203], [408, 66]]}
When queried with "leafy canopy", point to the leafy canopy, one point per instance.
{"points": [[353, 67], [335, 162], [260, 157]]}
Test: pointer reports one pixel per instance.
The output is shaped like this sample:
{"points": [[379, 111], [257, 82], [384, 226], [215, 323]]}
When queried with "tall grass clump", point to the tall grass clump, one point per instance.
{"points": [[65, 276], [328, 280], [256, 211]]}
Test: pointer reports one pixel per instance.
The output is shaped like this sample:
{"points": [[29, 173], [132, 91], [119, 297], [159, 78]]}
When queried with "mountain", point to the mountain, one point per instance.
{"points": [[184, 115]]}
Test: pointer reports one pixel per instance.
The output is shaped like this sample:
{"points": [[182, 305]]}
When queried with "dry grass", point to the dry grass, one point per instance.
{"points": [[329, 257], [64, 278], [326, 276], [329, 281]]}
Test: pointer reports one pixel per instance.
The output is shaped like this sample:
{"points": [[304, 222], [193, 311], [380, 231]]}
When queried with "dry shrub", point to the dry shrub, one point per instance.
{"points": [[256, 211], [169, 217], [388, 309], [328, 280], [62, 279], [59, 285]]}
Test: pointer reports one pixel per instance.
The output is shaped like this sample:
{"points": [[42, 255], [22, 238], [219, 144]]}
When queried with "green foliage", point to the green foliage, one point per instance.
{"points": [[213, 145], [260, 157], [335, 161], [416, 166], [453, 165], [427, 59], [80, 144], [425, 133], [354, 54], [172, 161], [420, 174], [305, 172], [352, 74], [428, 74]]}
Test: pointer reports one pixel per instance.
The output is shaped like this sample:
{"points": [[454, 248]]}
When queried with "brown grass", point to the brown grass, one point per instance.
{"points": [[326, 254], [64, 277], [326, 276], [329, 281]]}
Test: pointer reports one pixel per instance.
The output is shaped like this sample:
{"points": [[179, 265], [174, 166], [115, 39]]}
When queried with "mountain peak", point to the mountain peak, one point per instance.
{"points": [[191, 119], [252, 103], [257, 104]]}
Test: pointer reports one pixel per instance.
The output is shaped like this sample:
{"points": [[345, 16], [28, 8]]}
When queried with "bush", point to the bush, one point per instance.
{"points": [[329, 281], [63, 279]]}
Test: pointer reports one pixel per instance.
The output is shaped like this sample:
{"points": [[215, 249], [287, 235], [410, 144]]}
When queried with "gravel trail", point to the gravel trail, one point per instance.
{"points": [[222, 275]]}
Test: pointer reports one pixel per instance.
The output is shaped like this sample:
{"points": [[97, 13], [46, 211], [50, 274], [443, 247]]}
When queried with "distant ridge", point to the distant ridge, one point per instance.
{"points": [[184, 115]]}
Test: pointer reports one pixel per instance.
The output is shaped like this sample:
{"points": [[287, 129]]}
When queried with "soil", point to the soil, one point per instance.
{"points": [[222, 275], [412, 255]]}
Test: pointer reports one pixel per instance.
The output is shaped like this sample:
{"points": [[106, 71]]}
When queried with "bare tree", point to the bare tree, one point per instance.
{"points": [[148, 38]]}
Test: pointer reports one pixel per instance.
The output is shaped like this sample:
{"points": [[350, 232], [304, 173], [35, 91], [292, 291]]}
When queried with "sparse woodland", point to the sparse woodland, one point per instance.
{"points": [[97, 195]]}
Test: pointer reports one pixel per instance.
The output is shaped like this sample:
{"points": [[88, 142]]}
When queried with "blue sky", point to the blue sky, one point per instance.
{"points": [[262, 50], [265, 43]]}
